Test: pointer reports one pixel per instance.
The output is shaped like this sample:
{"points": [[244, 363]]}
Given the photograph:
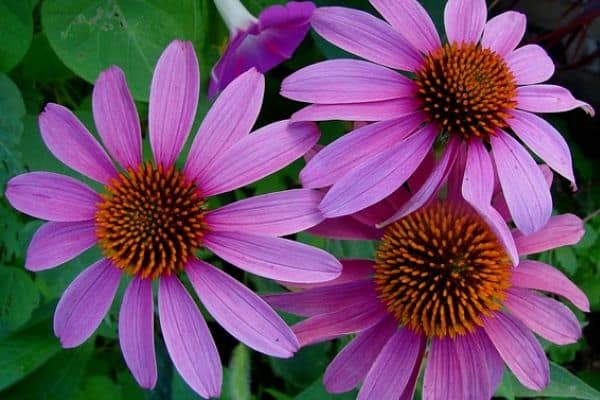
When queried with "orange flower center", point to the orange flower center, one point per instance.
{"points": [[440, 269], [466, 90], [150, 221]]}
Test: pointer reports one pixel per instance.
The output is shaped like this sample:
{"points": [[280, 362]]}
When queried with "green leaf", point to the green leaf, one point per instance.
{"points": [[23, 352], [41, 63], [16, 30], [19, 296], [317, 391], [58, 379], [12, 110], [295, 371], [90, 35], [364, 249], [566, 259], [239, 374], [99, 387]]}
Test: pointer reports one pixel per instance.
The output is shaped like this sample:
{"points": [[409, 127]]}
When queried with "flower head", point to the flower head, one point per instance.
{"points": [[261, 43], [439, 278], [474, 95], [150, 218]]}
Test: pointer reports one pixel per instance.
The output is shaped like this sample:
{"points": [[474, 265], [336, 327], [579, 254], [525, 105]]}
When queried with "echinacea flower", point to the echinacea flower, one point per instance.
{"points": [[262, 43], [150, 218], [441, 287], [475, 93]]}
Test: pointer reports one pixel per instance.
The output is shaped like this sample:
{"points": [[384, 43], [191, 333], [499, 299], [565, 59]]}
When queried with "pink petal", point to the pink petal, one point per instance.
{"points": [[539, 276], [173, 101], [136, 332], [273, 258], [241, 312], [561, 230], [473, 366], [366, 36], [442, 379], [379, 176], [494, 364], [545, 316], [530, 64], [544, 140], [228, 121], [464, 20], [372, 111], [345, 228], [504, 32], [431, 185], [85, 302], [71, 142], [58, 242], [323, 300], [116, 117], [549, 98], [356, 318], [273, 214], [523, 185], [519, 349], [260, 154], [52, 197], [352, 270], [355, 148], [351, 364], [346, 81], [188, 339], [412, 21], [456, 175], [392, 370]]}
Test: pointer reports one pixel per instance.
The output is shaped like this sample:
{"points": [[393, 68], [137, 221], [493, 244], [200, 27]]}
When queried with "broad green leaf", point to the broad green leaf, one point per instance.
{"points": [[19, 296], [239, 373], [12, 109], [58, 379], [16, 30], [11, 241], [317, 391], [41, 63], [90, 35], [23, 352], [566, 259], [99, 387], [295, 371], [364, 249]]}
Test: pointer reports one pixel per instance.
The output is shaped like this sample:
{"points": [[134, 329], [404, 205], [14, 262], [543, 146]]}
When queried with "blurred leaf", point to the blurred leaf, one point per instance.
{"points": [[239, 373], [99, 388], [317, 391], [565, 258], [19, 296], [295, 370], [58, 379], [12, 109], [41, 63], [16, 30], [565, 354], [435, 9], [11, 241], [90, 35], [364, 249], [256, 6], [23, 352]]}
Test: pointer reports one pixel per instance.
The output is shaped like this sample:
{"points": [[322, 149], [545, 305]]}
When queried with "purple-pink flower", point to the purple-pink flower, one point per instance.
{"points": [[475, 95], [261, 43], [151, 218], [440, 287]]}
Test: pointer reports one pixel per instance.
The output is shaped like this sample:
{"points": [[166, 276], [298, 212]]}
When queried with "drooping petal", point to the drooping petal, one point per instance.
{"points": [[544, 140], [351, 364], [464, 20], [561, 230], [523, 185], [379, 176], [442, 379], [351, 150], [391, 372], [188, 340], [504, 32], [57, 242], [274, 258], [259, 154], [371, 111], [530, 64], [323, 300], [519, 349], [136, 332], [345, 81], [173, 100], [71, 142], [366, 36], [52, 197], [549, 98], [352, 270], [116, 118], [473, 366], [345, 228], [539, 276], [545, 316], [230, 119], [85, 302], [273, 214], [241, 312]]}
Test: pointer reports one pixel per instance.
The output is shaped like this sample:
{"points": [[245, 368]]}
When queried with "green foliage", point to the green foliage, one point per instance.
{"points": [[16, 21], [18, 297]]}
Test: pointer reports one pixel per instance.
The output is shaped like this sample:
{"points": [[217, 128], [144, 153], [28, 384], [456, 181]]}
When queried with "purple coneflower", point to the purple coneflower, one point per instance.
{"points": [[439, 277], [475, 93], [261, 43], [150, 218]]}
